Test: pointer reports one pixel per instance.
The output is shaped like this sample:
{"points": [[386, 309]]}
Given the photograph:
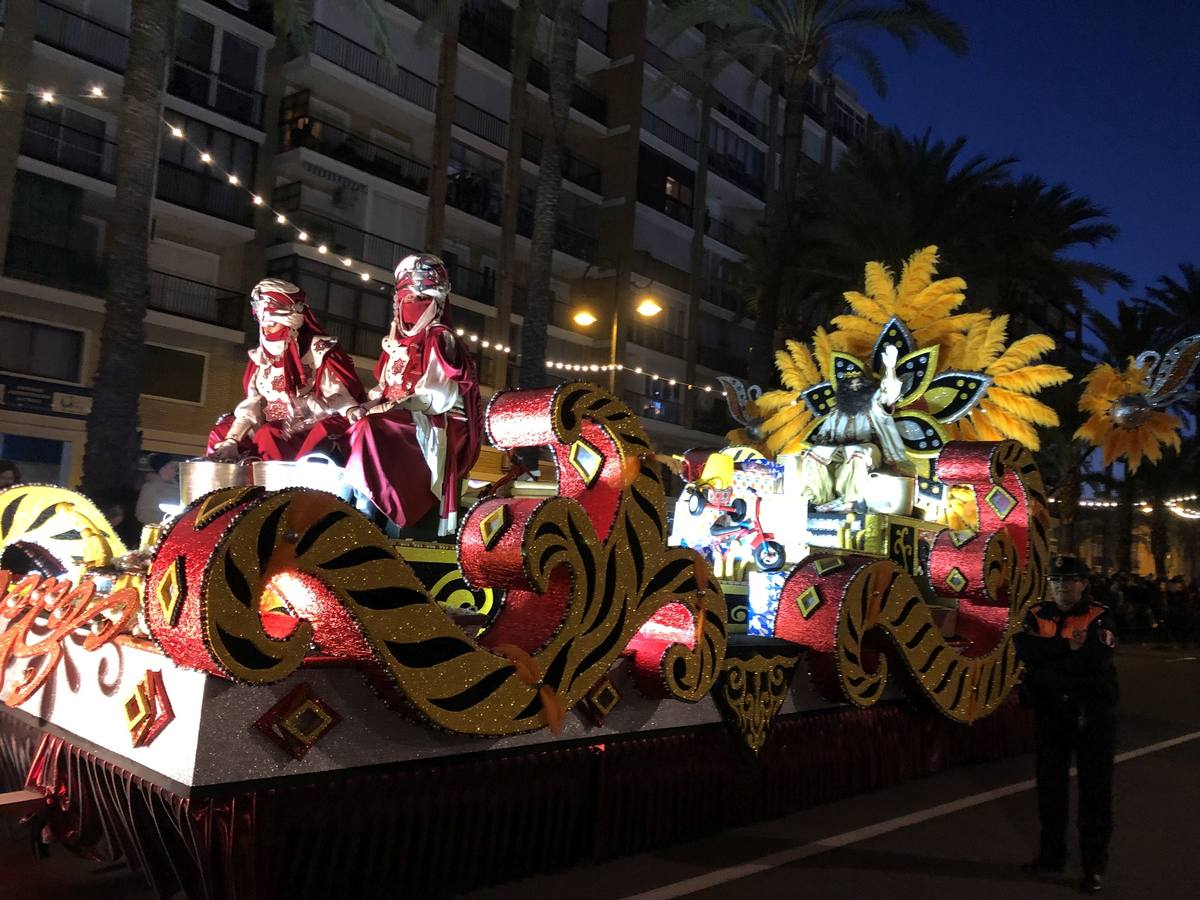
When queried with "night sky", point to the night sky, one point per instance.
{"points": [[1103, 95]]}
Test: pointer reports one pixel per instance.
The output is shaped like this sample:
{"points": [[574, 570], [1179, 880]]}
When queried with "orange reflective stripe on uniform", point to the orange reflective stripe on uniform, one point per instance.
{"points": [[1050, 627]]}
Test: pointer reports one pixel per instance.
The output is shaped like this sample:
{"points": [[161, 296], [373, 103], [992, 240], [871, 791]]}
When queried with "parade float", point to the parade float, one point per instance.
{"points": [[275, 696]]}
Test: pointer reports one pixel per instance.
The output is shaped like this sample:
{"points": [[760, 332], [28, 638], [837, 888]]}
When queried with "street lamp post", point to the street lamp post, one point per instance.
{"points": [[647, 308]]}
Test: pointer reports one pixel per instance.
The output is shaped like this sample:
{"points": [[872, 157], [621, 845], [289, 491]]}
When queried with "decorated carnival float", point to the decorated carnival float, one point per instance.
{"points": [[277, 696]]}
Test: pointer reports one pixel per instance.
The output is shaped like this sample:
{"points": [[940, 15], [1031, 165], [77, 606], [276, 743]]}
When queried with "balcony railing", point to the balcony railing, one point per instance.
{"points": [[656, 339], [61, 145], [736, 113], [593, 34], [724, 232], [213, 91], [659, 58], [72, 32], [731, 170], [567, 238], [84, 273], [367, 64], [574, 169], [354, 150], [77, 34], [665, 131], [479, 121], [199, 191]]}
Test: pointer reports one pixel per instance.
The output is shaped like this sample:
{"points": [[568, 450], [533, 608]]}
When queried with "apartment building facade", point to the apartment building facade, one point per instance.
{"points": [[340, 137]]}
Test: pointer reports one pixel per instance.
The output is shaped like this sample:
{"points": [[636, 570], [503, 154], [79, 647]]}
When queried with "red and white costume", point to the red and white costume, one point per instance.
{"points": [[299, 384], [424, 421]]}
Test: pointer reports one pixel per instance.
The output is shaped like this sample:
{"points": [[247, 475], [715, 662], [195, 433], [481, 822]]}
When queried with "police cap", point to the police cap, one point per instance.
{"points": [[1067, 567]]}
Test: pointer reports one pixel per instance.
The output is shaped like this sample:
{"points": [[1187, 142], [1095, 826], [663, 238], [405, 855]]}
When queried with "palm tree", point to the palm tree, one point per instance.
{"points": [[792, 37], [524, 35], [445, 19], [1178, 299], [16, 54], [110, 456], [564, 37]]}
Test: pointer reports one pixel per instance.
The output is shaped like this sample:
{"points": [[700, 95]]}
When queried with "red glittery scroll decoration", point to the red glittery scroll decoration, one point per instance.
{"points": [[958, 564], [529, 619]]}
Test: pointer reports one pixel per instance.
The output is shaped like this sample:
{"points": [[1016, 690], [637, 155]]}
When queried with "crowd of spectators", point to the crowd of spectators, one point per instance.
{"points": [[1149, 609]]}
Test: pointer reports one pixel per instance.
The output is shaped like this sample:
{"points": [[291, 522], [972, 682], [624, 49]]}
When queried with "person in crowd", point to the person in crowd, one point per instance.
{"points": [[1067, 646], [161, 486], [10, 474]]}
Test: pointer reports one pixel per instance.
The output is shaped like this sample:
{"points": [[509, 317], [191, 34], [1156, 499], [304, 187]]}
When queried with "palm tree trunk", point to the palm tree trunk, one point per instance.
{"points": [[762, 357], [524, 33], [1160, 543], [110, 458], [563, 49], [16, 55], [830, 106], [696, 282], [435, 218], [1125, 525]]}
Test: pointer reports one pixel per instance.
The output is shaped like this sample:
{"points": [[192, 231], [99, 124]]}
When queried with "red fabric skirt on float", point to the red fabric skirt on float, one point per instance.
{"points": [[272, 442], [387, 464]]}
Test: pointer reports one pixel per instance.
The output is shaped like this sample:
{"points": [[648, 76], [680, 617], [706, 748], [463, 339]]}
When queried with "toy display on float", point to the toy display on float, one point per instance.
{"points": [[887, 488]]}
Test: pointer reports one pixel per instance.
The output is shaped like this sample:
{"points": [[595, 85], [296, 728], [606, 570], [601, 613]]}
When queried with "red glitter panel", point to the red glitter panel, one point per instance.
{"points": [[673, 624]]}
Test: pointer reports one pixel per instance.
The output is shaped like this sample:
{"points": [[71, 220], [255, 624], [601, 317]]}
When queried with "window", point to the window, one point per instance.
{"points": [[194, 41], [173, 374], [239, 62], [232, 153], [41, 350]]}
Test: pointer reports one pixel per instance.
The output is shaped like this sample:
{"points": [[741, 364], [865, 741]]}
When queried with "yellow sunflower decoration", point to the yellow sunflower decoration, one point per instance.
{"points": [[1125, 406], [962, 379]]}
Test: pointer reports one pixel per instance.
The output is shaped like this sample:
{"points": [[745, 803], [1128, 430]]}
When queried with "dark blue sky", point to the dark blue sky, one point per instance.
{"points": [[1103, 95]]}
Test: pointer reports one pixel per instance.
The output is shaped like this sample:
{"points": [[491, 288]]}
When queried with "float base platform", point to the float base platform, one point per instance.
{"points": [[435, 827]]}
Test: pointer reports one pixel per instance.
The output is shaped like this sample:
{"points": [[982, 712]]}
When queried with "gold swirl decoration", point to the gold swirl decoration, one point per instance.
{"points": [[836, 605], [343, 588], [60, 524]]}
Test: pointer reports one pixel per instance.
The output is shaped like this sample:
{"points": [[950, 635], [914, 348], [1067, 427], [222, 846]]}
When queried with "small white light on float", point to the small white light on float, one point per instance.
{"points": [[256, 200], [302, 236], [549, 365], [323, 249], [98, 91], [233, 179], [708, 387], [474, 338], [365, 276], [206, 157]]}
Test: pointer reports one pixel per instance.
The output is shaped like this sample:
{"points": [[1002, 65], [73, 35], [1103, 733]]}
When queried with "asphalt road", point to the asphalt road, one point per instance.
{"points": [[961, 833]]}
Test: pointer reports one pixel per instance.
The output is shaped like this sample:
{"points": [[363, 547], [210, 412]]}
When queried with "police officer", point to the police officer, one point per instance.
{"points": [[1067, 647]]}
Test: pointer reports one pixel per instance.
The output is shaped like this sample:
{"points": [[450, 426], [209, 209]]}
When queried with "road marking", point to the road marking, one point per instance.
{"points": [[795, 854]]}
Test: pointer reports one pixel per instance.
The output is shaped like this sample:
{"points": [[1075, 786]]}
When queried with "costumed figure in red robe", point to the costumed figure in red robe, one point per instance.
{"points": [[419, 434], [299, 384]]}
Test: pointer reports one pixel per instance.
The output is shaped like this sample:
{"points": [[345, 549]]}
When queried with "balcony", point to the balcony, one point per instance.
{"points": [[479, 121], [77, 34], [593, 34], [665, 131], [657, 339], [212, 91], [303, 130], [587, 101], [89, 154], [60, 145], [83, 273], [367, 64], [724, 232], [731, 169], [576, 170], [94, 41], [567, 238], [199, 191], [722, 358], [736, 113]]}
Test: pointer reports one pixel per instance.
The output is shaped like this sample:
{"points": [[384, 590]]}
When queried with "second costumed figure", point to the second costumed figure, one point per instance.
{"points": [[419, 432]]}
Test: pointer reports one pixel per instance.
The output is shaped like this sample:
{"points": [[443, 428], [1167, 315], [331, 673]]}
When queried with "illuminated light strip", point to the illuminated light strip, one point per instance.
{"points": [[621, 367]]}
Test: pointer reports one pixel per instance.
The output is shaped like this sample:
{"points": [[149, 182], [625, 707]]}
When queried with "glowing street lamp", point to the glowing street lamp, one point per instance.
{"points": [[585, 318]]}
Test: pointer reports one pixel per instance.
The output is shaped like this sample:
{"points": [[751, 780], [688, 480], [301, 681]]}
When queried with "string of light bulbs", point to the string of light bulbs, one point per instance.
{"points": [[205, 156]]}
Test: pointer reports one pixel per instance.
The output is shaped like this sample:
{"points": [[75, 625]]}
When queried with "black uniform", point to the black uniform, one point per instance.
{"points": [[1074, 696]]}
